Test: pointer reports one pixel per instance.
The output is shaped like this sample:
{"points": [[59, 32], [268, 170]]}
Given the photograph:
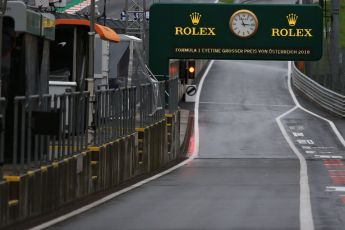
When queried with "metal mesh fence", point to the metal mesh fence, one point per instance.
{"points": [[172, 94], [151, 103], [114, 114], [47, 128]]}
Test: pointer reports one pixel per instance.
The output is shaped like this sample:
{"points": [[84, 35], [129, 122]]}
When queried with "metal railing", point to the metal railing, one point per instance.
{"points": [[326, 98], [42, 128], [114, 114], [47, 128], [2, 134], [172, 95], [151, 103]]}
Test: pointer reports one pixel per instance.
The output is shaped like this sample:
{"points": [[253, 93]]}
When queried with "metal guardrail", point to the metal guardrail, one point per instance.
{"points": [[151, 103], [326, 98], [172, 97], [47, 128], [2, 134], [114, 114]]}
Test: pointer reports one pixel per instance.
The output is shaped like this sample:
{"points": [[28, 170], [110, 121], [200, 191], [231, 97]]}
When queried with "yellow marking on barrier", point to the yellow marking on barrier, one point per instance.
{"points": [[30, 173], [140, 129], [44, 168], [94, 148], [94, 162], [94, 177], [12, 203], [169, 124], [140, 162], [140, 151], [169, 115], [106, 145], [12, 178], [67, 159], [84, 154], [55, 164]]}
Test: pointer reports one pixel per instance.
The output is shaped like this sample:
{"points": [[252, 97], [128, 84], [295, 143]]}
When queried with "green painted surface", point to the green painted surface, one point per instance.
{"points": [[227, 1], [165, 45], [70, 5]]}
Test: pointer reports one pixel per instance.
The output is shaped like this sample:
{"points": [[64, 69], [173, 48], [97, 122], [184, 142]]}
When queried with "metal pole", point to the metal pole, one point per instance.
{"points": [[104, 12], [127, 16], [336, 80], [3, 4], [1, 25], [90, 79]]}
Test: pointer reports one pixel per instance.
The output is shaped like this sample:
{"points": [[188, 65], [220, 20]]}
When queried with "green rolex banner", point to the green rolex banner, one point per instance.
{"points": [[234, 31]]}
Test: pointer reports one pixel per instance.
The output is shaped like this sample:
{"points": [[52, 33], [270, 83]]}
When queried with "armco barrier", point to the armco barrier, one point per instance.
{"points": [[326, 98]]}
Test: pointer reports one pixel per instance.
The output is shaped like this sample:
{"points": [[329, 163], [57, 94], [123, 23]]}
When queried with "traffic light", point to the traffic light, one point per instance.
{"points": [[191, 70]]}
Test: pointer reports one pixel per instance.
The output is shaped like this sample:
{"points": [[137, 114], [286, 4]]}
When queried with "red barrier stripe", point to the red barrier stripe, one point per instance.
{"points": [[333, 166], [343, 199], [191, 147], [337, 173], [338, 180], [331, 161]]}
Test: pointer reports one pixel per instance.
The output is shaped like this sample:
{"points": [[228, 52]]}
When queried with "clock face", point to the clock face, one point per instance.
{"points": [[243, 23]]}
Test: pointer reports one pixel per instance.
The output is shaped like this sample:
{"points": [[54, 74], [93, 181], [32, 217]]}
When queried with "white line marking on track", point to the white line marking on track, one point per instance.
{"points": [[331, 123], [306, 218], [328, 157], [116, 194], [335, 189], [226, 103], [196, 110], [305, 211]]}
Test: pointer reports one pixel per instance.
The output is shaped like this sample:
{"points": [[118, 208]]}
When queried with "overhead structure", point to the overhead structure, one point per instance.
{"points": [[136, 16]]}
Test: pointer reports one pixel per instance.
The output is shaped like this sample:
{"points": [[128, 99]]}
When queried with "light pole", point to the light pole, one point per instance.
{"points": [[90, 78], [3, 4], [337, 81], [104, 12]]}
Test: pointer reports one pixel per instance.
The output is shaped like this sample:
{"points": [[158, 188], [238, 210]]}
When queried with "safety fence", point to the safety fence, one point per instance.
{"points": [[115, 112], [48, 128], [151, 103], [45, 128], [172, 94], [55, 153], [324, 97]]}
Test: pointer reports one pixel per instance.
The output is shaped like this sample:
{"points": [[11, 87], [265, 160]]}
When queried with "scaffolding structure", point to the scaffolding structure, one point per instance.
{"points": [[136, 18]]}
